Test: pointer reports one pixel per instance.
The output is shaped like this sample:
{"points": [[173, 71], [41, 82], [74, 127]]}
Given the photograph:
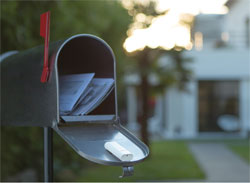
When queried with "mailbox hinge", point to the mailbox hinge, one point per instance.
{"points": [[127, 171]]}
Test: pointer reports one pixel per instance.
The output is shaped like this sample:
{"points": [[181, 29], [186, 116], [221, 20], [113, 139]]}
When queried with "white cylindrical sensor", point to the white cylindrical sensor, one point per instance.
{"points": [[118, 151]]}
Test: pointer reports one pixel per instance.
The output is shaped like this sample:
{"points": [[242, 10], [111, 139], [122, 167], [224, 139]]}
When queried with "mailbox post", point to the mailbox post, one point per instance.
{"points": [[37, 104], [48, 154]]}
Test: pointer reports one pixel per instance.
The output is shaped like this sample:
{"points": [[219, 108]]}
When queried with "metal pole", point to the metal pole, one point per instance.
{"points": [[48, 154]]}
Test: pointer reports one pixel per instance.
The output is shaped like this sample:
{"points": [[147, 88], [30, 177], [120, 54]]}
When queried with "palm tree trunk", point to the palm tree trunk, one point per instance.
{"points": [[144, 118], [144, 64]]}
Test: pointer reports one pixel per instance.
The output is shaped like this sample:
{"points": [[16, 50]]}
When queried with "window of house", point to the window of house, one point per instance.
{"points": [[218, 106]]}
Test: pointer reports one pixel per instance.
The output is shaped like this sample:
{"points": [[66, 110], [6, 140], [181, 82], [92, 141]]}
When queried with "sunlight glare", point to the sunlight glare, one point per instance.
{"points": [[193, 7], [168, 30]]}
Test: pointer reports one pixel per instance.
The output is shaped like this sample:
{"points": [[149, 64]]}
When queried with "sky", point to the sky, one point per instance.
{"points": [[168, 30]]}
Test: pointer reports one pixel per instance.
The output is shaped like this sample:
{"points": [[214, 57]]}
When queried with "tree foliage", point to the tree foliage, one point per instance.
{"points": [[175, 72]]}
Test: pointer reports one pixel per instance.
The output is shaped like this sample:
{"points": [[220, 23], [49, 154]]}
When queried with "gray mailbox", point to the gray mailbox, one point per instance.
{"points": [[28, 102]]}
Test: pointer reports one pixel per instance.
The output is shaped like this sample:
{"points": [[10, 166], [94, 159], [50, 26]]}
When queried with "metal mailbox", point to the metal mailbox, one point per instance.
{"points": [[28, 102]]}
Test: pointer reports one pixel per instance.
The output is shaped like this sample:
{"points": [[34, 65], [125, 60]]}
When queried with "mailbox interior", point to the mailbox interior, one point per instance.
{"points": [[87, 134], [89, 54]]}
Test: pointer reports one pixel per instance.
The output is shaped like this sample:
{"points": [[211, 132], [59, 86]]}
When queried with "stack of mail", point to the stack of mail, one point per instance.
{"points": [[82, 93]]}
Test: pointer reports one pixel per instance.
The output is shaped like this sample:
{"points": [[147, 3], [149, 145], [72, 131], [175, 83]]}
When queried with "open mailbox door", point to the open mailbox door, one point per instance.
{"points": [[88, 140], [37, 104]]}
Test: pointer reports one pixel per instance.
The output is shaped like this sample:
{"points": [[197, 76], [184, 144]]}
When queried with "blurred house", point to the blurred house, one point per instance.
{"points": [[218, 99]]}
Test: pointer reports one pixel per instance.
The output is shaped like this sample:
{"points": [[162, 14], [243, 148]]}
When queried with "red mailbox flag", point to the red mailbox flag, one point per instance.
{"points": [[44, 32]]}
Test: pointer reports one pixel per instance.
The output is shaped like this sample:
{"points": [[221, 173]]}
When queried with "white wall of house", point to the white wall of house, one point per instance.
{"points": [[181, 115], [230, 63], [208, 65], [132, 108], [245, 105]]}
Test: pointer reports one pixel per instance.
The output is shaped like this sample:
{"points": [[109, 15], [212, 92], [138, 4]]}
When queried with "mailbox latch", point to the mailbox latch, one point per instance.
{"points": [[127, 171]]}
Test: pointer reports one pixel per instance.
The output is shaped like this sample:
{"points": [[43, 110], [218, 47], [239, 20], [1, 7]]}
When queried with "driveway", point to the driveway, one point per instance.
{"points": [[219, 163]]}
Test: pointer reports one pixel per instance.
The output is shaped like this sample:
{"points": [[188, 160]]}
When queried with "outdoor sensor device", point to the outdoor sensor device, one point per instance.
{"points": [[118, 151]]}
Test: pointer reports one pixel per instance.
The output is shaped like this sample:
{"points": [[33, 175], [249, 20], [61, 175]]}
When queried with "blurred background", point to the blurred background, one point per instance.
{"points": [[183, 75]]}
